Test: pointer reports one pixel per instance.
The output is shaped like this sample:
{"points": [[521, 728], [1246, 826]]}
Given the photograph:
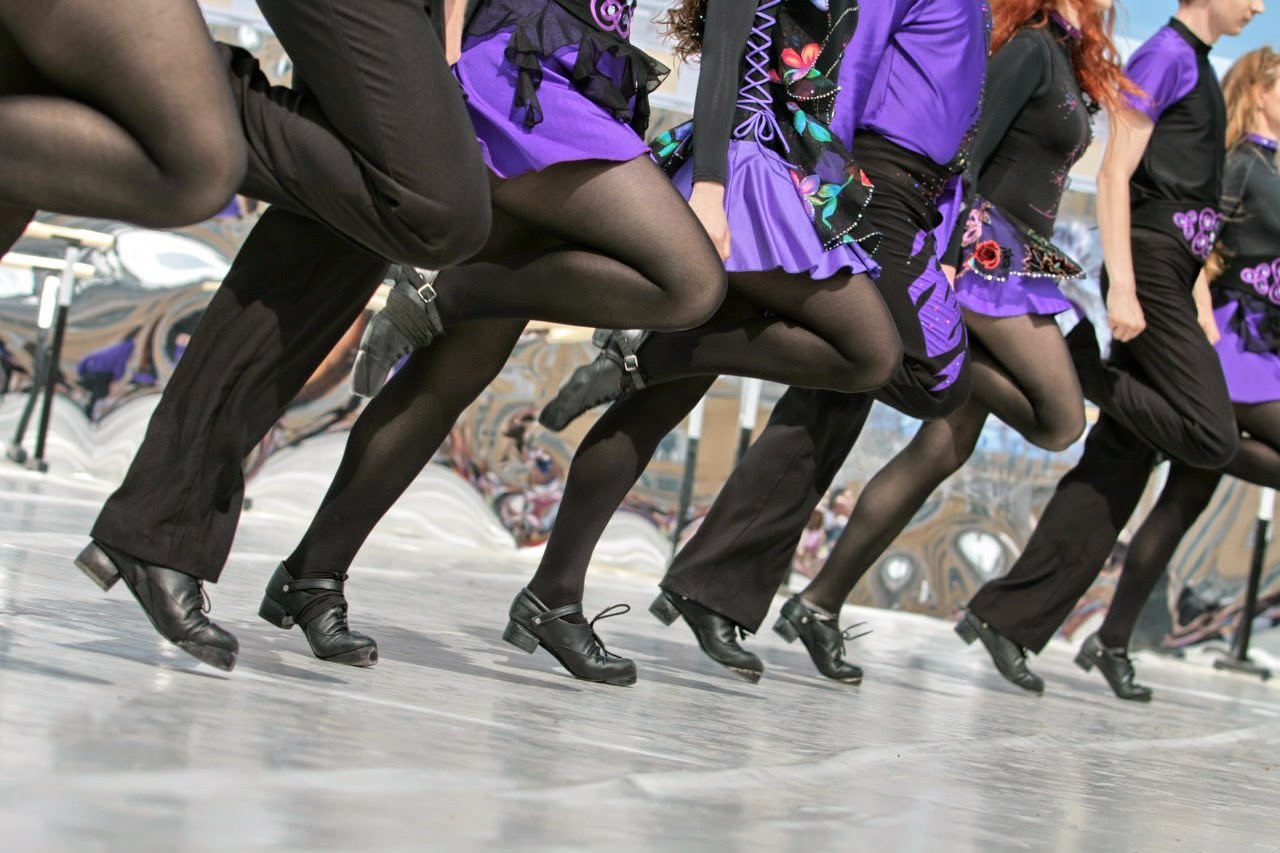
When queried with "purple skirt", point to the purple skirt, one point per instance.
{"points": [[1013, 297], [769, 221], [1252, 377], [1008, 270], [572, 127]]}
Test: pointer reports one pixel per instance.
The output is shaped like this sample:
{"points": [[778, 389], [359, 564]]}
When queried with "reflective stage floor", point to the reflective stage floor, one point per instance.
{"points": [[112, 740]]}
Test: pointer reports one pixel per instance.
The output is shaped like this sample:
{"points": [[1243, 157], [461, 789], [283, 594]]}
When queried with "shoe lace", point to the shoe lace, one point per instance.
{"points": [[848, 635], [608, 613], [205, 603]]}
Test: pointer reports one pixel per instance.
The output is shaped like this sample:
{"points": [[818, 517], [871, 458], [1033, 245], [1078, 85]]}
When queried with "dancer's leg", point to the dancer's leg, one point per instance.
{"points": [[891, 499], [1186, 494], [610, 459], [1165, 385], [377, 144], [635, 253], [834, 334], [115, 111], [1258, 459], [1022, 373]]}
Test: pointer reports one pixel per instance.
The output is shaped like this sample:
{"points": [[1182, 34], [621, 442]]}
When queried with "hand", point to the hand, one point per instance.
{"points": [[1124, 314], [1204, 309], [950, 272], [707, 201]]}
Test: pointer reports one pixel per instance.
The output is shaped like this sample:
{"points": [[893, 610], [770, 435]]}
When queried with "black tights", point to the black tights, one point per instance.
{"points": [[1022, 373], [119, 111], [403, 426], [1185, 496], [847, 342]]}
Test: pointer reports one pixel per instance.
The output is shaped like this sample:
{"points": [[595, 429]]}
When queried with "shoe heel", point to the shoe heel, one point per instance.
{"points": [[1084, 662], [664, 609], [94, 562], [784, 629], [966, 631], [520, 637], [275, 614]]}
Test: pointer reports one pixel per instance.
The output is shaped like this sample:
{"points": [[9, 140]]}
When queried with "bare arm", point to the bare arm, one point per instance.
{"points": [[1130, 133], [455, 18]]}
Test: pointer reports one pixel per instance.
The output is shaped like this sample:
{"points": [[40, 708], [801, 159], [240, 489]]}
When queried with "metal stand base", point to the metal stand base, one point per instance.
{"points": [[1245, 666]]}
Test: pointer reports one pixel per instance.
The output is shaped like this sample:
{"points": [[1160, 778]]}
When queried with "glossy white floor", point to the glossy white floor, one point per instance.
{"points": [[111, 739]]}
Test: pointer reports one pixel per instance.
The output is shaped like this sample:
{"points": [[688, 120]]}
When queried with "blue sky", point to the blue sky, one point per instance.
{"points": [[1140, 18]]}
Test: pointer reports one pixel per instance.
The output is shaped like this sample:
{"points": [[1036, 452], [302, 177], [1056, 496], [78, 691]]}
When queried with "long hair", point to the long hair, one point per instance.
{"points": [[1097, 62], [682, 22], [1251, 74]]}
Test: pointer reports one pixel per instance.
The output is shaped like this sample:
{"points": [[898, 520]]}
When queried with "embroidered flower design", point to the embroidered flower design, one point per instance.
{"points": [[805, 123], [823, 196], [800, 63], [990, 254], [978, 217], [672, 139]]}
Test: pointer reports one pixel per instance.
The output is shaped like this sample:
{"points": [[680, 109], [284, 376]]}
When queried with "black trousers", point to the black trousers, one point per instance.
{"points": [[1193, 419], [373, 160], [742, 551]]}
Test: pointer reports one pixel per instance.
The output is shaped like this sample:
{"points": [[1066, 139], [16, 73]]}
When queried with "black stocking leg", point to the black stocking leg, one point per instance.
{"points": [[1024, 376], [1258, 459], [117, 112], [610, 459], [1186, 494], [835, 334], [396, 436], [891, 499], [638, 253]]}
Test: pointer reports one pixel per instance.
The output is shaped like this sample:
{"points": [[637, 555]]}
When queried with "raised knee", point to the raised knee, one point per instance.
{"points": [[698, 295], [883, 362], [1061, 434], [1217, 449], [462, 235]]}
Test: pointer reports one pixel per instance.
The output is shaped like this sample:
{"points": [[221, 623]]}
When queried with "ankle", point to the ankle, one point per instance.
{"points": [[553, 596], [819, 606]]}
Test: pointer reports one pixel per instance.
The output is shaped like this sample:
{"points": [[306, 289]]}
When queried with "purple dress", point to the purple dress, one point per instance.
{"points": [[1247, 294], [552, 81], [794, 198], [1034, 129]]}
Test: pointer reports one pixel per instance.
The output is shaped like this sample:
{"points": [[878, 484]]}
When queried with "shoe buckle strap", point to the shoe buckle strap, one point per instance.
{"points": [[300, 584], [551, 615]]}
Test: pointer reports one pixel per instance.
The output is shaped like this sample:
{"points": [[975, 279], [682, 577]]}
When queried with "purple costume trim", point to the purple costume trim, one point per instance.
{"points": [[1164, 68], [1263, 141], [1252, 376], [1199, 228]]}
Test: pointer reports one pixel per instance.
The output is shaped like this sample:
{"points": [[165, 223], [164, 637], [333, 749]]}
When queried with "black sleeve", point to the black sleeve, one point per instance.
{"points": [[724, 42], [1018, 72], [1235, 181]]}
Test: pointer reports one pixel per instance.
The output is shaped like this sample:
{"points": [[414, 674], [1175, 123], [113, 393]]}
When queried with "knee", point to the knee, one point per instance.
{"points": [[1217, 446], [697, 290], [880, 364], [449, 235], [1061, 432], [200, 182]]}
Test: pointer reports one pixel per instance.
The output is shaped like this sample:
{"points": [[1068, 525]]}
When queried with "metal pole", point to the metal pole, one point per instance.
{"points": [[66, 289], [1238, 659], [690, 470], [44, 321]]}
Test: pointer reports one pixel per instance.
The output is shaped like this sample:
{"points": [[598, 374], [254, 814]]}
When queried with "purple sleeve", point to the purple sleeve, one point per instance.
{"points": [[1164, 68]]}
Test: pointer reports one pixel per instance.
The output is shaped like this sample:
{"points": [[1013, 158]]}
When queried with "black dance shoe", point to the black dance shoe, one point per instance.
{"points": [[174, 602], [1008, 656], [576, 645], [716, 634], [614, 374], [822, 636], [327, 632], [410, 321], [1116, 668]]}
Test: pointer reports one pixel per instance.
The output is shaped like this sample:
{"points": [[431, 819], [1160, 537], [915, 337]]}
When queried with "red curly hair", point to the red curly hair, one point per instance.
{"points": [[1097, 62]]}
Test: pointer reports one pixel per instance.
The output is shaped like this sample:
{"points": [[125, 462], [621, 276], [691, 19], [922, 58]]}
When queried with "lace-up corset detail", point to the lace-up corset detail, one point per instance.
{"points": [[755, 97]]}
